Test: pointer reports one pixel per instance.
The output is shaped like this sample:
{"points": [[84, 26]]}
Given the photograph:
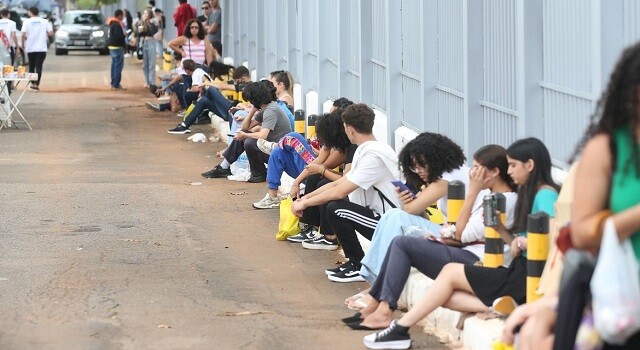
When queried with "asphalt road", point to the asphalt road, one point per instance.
{"points": [[106, 244]]}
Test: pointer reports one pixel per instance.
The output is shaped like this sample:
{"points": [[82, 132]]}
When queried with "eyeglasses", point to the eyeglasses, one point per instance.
{"points": [[194, 27], [417, 168]]}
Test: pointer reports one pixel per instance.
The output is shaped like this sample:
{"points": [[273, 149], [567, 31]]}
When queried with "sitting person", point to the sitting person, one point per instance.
{"points": [[271, 124], [186, 94], [356, 200], [429, 256], [293, 155], [430, 161], [469, 288]]}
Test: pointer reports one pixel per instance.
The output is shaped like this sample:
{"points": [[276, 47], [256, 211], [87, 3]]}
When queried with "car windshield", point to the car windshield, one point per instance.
{"points": [[82, 18]]}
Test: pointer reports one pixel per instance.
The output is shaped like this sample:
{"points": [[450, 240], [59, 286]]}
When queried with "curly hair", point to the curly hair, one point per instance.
{"points": [[219, 69], [432, 151], [260, 93], [523, 150], [187, 31], [618, 107], [330, 132], [360, 117]]}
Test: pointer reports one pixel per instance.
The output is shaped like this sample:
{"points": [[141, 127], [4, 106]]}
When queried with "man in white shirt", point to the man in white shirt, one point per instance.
{"points": [[8, 27], [357, 200], [35, 33]]}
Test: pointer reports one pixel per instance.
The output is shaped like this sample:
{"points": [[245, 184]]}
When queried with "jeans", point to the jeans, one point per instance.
{"points": [[391, 225], [211, 100], [291, 156], [149, 61], [158, 48], [117, 63]]}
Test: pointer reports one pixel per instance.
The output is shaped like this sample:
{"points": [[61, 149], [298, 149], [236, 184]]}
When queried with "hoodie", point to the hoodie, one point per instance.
{"points": [[116, 34]]}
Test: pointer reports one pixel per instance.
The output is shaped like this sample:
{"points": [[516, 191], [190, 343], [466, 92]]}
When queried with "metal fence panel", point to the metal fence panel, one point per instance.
{"points": [[412, 51], [379, 54]]}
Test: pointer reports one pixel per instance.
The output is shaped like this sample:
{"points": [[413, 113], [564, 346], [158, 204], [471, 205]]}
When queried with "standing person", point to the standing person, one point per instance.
{"points": [[8, 27], [183, 13], [192, 44], [147, 28], [160, 34], [116, 48], [213, 24], [35, 33], [127, 21]]}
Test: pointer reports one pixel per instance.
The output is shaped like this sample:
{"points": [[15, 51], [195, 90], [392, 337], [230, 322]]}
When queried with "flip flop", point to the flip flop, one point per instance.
{"points": [[357, 305], [358, 326], [504, 306], [357, 317]]}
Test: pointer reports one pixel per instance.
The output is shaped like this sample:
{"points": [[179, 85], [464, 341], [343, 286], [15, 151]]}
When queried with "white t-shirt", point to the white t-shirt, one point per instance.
{"points": [[460, 174], [197, 78], [8, 26], [375, 164], [36, 29]]}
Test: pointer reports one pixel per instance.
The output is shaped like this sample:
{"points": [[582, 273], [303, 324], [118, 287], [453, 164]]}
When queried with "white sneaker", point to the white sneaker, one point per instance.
{"points": [[266, 146], [181, 114], [267, 202]]}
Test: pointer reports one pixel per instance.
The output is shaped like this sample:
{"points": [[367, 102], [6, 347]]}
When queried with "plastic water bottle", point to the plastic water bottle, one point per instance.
{"points": [[243, 161]]}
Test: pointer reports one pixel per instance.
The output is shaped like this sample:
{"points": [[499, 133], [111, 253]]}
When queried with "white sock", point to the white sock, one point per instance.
{"points": [[225, 164]]}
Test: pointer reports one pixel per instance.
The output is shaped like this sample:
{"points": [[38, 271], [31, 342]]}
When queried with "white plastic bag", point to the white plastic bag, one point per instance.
{"points": [[615, 287], [199, 137], [240, 169]]}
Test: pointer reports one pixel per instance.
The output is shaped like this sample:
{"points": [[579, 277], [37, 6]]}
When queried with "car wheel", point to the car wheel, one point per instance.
{"points": [[61, 52]]}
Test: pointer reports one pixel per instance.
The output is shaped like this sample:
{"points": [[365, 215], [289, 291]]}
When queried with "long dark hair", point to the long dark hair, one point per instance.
{"points": [[330, 131], [618, 106], [433, 151], [495, 157], [187, 30], [525, 150]]}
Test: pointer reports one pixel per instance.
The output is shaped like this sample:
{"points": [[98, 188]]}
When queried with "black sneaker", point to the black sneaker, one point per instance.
{"points": [[180, 129], [217, 172], [320, 243], [337, 269], [350, 273], [308, 233], [393, 337], [153, 106], [257, 179]]}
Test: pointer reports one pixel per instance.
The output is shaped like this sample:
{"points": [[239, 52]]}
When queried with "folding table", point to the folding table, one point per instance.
{"points": [[10, 109]]}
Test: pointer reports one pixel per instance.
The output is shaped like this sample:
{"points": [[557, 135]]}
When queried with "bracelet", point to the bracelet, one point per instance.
{"points": [[323, 170]]}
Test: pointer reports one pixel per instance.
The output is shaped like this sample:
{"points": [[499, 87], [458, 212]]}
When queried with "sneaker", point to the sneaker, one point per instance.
{"points": [[217, 172], [182, 113], [267, 202], [257, 179], [321, 242], [34, 88], [119, 87], [393, 337], [164, 98], [180, 129], [350, 273], [153, 106], [504, 306], [308, 233], [338, 269], [266, 146]]}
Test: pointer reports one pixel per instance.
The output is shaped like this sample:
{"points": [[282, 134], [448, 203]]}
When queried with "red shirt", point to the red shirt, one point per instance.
{"points": [[183, 13]]}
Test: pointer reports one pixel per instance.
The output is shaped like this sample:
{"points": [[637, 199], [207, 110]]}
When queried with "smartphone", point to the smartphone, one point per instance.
{"points": [[231, 135], [403, 187]]}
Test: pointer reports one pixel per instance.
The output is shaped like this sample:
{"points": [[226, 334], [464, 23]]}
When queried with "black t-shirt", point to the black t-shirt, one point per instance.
{"points": [[350, 152]]}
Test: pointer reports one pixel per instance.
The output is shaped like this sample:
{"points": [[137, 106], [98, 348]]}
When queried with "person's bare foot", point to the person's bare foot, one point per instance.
{"points": [[372, 306]]}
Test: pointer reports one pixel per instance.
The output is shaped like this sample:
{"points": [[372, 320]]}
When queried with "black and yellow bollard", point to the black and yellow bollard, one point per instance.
{"points": [[455, 199], [493, 244], [311, 126], [298, 117], [537, 252]]}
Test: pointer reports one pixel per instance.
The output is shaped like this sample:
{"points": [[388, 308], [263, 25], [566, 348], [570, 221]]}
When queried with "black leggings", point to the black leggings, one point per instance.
{"points": [[36, 59]]}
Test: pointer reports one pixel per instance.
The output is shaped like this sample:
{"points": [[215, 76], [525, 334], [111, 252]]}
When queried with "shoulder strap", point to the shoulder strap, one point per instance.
{"points": [[383, 199]]}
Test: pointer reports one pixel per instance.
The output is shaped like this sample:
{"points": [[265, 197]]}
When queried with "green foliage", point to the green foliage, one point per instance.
{"points": [[93, 4]]}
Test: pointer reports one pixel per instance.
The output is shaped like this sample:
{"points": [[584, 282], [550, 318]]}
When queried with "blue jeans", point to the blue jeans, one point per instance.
{"points": [[286, 159], [391, 225], [211, 100], [117, 63], [149, 61]]}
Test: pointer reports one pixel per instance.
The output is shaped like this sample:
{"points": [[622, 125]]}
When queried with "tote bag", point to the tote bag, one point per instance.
{"points": [[289, 224], [615, 287]]}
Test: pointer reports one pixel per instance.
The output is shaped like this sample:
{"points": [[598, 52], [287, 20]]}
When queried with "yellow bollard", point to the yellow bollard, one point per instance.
{"points": [[298, 117], [537, 252], [493, 244], [167, 61], [455, 199], [311, 126]]}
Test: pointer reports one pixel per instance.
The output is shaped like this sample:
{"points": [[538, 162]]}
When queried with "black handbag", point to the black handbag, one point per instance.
{"points": [[139, 50]]}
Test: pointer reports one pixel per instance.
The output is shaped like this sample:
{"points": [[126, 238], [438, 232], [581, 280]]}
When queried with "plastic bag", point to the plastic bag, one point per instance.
{"points": [[199, 137], [289, 224], [240, 169], [615, 287]]}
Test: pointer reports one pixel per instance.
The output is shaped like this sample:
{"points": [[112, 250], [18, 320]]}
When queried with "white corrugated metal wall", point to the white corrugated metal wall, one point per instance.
{"points": [[479, 71]]}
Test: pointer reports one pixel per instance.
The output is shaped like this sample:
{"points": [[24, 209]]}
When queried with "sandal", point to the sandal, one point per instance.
{"points": [[504, 306]]}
